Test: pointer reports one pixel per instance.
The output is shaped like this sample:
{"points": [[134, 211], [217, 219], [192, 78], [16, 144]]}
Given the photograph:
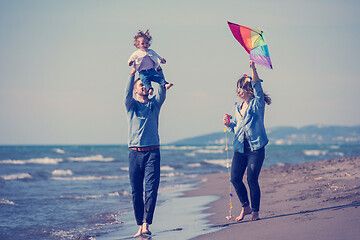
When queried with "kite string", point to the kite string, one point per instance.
{"points": [[229, 217], [228, 166]]}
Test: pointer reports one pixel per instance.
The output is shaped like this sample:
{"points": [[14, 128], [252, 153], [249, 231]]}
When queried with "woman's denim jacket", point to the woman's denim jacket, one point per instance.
{"points": [[252, 123]]}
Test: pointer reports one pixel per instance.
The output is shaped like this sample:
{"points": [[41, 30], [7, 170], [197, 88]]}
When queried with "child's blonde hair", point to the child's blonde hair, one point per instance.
{"points": [[142, 34]]}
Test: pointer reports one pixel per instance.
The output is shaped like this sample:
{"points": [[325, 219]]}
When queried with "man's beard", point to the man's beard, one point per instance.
{"points": [[144, 94]]}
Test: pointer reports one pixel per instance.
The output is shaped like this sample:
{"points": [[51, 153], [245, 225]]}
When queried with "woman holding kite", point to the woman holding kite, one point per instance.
{"points": [[249, 141]]}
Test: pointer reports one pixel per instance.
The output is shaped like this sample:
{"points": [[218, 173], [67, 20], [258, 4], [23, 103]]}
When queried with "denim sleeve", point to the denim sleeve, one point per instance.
{"points": [[232, 123], [129, 99], [232, 126], [258, 94]]}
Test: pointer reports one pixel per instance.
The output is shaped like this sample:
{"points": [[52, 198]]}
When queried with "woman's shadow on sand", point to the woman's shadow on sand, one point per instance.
{"points": [[353, 204]]}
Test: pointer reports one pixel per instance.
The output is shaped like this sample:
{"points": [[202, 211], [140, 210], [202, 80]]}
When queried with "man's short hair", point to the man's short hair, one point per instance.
{"points": [[138, 79]]}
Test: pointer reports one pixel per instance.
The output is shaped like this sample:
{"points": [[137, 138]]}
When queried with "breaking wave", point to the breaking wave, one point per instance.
{"points": [[58, 150], [6, 202], [95, 158], [45, 160], [315, 152], [166, 168], [60, 172], [16, 176], [86, 178], [220, 162]]}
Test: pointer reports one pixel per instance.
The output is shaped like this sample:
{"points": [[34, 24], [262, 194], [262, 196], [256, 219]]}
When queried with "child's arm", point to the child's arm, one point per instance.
{"points": [[162, 60], [132, 59]]}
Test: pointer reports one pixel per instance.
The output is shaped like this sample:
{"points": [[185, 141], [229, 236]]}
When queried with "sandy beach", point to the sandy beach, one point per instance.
{"points": [[314, 200]]}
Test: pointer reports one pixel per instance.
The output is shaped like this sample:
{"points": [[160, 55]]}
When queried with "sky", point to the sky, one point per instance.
{"points": [[63, 65]]}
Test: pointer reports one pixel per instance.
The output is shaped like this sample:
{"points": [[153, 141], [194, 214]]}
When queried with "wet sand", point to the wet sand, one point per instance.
{"points": [[314, 200]]}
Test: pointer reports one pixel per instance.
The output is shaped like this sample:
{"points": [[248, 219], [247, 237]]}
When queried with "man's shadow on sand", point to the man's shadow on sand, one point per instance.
{"points": [[354, 204]]}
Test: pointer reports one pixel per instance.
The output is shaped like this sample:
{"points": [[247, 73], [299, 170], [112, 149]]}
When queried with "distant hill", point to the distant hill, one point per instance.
{"points": [[313, 134]]}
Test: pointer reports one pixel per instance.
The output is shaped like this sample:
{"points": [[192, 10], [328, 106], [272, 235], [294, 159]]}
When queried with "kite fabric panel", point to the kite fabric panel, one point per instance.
{"points": [[254, 43]]}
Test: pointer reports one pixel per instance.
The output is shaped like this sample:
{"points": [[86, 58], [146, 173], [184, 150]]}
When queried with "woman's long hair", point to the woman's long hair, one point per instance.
{"points": [[248, 87]]}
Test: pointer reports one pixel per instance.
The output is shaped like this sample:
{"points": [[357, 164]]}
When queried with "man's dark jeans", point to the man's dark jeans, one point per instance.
{"points": [[144, 166]]}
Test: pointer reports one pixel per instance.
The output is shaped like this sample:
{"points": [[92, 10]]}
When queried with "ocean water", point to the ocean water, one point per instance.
{"points": [[83, 192]]}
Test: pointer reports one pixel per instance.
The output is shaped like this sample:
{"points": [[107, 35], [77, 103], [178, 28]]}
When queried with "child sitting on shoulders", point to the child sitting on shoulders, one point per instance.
{"points": [[146, 61]]}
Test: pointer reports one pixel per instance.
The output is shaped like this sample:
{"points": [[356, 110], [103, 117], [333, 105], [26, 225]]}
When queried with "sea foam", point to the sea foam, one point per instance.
{"points": [[172, 174], [210, 151], [112, 194], [45, 160], [191, 154], [172, 147], [194, 164], [60, 172], [166, 168], [163, 168], [174, 187], [6, 202], [220, 162], [124, 169], [95, 158], [314, 152], [58, 150], [16, 176], [86, 178]]}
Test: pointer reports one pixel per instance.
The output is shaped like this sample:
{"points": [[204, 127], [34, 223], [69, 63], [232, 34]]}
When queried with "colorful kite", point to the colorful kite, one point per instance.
{"points": [[254, 43]]}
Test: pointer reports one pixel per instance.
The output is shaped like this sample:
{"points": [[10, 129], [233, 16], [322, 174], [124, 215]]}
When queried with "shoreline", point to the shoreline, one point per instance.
{"points": [[190, 220], [312, 200]]}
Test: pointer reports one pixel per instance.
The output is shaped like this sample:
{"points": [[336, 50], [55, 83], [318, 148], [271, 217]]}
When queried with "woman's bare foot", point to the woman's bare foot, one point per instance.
{"points": [[244, 211], [168, 85], [255, 216], [139, 232], [145, 229]]}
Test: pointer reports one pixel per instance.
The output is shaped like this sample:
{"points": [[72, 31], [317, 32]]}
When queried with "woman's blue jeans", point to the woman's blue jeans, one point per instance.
{"points": [[253, 162], [144, 166]]}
